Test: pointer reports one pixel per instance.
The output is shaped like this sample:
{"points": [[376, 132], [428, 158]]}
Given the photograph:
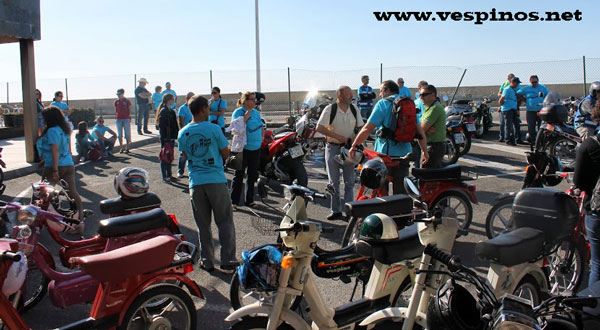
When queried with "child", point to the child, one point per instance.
{"points": [[83, 141]]}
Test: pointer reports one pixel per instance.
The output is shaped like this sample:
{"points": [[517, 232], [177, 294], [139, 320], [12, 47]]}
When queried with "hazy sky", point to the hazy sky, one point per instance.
{"points": [[95, 38]]}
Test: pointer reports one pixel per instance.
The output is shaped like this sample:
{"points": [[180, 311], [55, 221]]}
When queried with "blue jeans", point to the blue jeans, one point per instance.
{"points": [[144, 111], [181, 165], [510, 117], [84, 147], [107, 146], [501, 115], [592, 226], [333, 172]]}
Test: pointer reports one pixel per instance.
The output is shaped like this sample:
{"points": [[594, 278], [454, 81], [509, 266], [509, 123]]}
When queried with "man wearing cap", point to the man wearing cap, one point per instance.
{"points": [[404, 91], [508, 102], [366, 95], [143, 98], [339, 122], [170, 91]]}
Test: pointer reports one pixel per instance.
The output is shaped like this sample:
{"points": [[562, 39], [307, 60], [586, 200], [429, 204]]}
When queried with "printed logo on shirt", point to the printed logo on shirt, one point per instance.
{"points": [[199, 145]]}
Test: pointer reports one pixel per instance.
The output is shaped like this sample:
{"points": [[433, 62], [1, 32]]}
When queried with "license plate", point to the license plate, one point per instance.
{"points": [[459, 138], [296, 151], [471, 127]]}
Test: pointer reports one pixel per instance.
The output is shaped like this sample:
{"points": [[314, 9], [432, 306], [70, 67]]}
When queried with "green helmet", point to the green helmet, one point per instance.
{"points": [[378, 226]]}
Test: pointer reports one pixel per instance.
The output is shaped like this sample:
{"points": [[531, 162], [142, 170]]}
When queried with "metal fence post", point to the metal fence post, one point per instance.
{"points": [[7, 93], [67, 90], [380, 73], [289, 92], [211, 83], [584, 78], [136, 104]]}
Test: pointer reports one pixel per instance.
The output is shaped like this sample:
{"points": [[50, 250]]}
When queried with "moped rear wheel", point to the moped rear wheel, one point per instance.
{"points": [[499, 219], [256, 323], [180, 313], [565, 150], [455, 205], [529, 289], [565, 267], [451, 153]]}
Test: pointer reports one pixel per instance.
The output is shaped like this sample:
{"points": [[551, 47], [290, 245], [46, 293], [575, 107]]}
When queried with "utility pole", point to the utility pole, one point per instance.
{"points": [[257, 47]]}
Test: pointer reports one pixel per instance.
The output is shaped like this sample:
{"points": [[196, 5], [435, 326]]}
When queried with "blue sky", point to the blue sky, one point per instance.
{"points": [[95, 38]]}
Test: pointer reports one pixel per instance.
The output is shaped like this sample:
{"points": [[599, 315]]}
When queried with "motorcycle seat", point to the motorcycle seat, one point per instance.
{"points": [[390, 205], [133, 223], [119, 205], [406, 246], [569, 129], [138, 258], [513, 248], [448, 173]]}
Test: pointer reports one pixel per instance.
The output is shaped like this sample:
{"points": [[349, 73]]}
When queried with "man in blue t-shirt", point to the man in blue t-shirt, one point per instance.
{"points": [[106, 144], [184, 117], [534, 95], [366, 95], [508, 102], [205, 147], [381, 118], [403, 90], [168, 90]]}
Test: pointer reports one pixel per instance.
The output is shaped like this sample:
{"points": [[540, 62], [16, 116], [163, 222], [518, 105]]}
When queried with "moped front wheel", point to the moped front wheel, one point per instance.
{"points": [[479, 128], [457, 206], [352, 231], [180, 313], [36, 283], [529, 289], [239, 297], [566, 266], [257, 323]]}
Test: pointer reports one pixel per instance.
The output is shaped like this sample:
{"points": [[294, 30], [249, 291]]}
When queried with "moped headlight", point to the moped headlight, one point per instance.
{"points": [[27, 215]]}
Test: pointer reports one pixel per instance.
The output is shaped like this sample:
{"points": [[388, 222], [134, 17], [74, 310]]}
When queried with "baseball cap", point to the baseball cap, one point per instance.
{"points": [[516, 79]]}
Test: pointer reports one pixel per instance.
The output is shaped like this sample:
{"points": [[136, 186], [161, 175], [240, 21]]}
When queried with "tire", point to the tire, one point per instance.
{"points": [[450, 151], [256, 322], [565, 150], [529, 289], [36, 283], [456, 205], [565, 267], [479, 127], [464, 149], [498, 218], [351, 231], [297, 171], [184, 318], [236, 294]]}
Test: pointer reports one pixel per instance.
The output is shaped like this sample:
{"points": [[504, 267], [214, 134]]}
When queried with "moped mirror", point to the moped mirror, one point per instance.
{"points": [[411, 189], [63, 184]]}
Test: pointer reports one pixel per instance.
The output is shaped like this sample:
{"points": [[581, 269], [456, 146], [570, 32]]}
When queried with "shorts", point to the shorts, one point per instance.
{"points": [[124, 125]]}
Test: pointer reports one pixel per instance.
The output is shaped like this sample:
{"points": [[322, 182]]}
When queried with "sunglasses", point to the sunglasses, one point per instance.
{"points": [[213, 93], [425, 94], [401, 82]]}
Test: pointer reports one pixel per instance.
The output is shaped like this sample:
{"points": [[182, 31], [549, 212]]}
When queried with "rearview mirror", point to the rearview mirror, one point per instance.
{"points": [[411, 189]]}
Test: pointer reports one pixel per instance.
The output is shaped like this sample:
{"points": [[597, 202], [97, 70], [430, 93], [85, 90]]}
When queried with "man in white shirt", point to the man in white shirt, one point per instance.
{"points": [[339, 123]]}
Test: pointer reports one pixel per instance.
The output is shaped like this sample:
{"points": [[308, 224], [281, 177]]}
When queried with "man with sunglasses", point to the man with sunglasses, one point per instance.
{"points": [[403, 90], [534, 95], [433, 121]]}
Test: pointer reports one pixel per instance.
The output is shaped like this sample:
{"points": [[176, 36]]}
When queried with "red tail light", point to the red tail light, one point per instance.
{"points": [[188, 268], [174, 218]]}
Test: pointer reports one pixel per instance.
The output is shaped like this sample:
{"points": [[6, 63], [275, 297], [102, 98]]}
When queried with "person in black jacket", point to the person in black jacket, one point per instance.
{"points": [[168, 130], [587, 173]]}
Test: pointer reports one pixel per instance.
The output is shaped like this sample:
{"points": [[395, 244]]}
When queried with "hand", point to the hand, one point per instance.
{"points": [[247, 115], [55, 176], [425, 157], [352, 152], [431, 130]]}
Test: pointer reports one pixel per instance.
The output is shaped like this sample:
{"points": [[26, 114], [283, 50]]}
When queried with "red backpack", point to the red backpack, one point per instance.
{"points": [[404, 120]]}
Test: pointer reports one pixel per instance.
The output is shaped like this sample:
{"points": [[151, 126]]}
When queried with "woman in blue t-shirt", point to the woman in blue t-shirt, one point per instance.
{"points": [[251, 155], [217, 108], [53, 147], [83, 141]]}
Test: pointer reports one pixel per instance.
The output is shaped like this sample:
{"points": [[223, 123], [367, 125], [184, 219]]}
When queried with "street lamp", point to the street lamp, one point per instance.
{"points": [[257, 47]]}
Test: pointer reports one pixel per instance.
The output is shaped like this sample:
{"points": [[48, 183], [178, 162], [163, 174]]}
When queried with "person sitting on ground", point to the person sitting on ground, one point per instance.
{"points": [[106, 144], [83, 141]]}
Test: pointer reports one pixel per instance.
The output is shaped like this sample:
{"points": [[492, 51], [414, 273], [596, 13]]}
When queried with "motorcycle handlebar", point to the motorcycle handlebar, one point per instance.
{"points": [[320, 195], [452, 262], [7, 255]]}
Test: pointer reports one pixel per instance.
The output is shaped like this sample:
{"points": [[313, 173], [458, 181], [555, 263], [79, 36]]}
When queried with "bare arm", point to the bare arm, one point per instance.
{"points": [[427, 128], [225, 153], [361, 137], [423, 144], [501, 100]]}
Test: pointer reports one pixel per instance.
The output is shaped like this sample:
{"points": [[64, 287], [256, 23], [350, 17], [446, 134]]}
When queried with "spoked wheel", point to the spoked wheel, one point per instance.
{"points": [[450, 152], [239, 297], [455, 205], [352, 231], [479, 127], [565, 150], [464, 148], [499, 219], [565, 268], [528, 289], [36, 283], [180, 313], [257, 323]]}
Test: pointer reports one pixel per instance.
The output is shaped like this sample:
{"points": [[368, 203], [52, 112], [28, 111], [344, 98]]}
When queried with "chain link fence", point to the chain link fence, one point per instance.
{"points": [[567, 72]]}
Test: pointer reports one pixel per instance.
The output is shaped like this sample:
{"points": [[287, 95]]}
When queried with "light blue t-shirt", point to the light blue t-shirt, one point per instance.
{"points": [[420, 108], [382, 117], [404, 91], [156, 99], [532, 95], [510, 99], [254, 127], [100, 130], [184, 112], [62, 106], [216, 107], [55, 135], [202, 143], [172, 92]]}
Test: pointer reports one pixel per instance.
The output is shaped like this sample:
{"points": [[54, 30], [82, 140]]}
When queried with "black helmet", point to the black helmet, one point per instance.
{"points": [[373, 173], [595, 89], [260, 98], [454, 308]]}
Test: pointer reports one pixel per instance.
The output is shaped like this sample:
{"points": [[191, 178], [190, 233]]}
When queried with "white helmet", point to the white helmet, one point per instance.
{"points": [[132, 182], [343, 158]]}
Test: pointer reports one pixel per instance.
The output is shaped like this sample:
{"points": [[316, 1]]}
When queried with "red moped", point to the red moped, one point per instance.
{"points": [[443, 188], [124, 299], [281, 158]]}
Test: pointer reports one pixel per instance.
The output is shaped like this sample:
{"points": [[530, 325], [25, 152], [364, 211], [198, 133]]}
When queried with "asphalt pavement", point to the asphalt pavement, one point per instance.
{"points": [[500, 168]]}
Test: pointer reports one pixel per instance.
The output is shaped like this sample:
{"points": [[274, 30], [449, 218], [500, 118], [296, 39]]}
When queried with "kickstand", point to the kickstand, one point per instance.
{"points": [[354, 290]]}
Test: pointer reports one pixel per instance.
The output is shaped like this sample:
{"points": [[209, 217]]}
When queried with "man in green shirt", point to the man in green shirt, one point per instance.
{"points": [[433, 122]]}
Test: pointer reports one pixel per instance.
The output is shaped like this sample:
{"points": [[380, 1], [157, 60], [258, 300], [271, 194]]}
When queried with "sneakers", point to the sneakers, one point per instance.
{"points": [[166, 180], [179, 175], [207, 268], [229, 268], [147, 131], [335, 216], [140, 132]]}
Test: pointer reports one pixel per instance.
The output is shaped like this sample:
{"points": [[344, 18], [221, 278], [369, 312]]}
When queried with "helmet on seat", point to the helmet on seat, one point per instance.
{"points": [[378, 226], [131, 182], [343, 158], [595, 89], [373, 173]]}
